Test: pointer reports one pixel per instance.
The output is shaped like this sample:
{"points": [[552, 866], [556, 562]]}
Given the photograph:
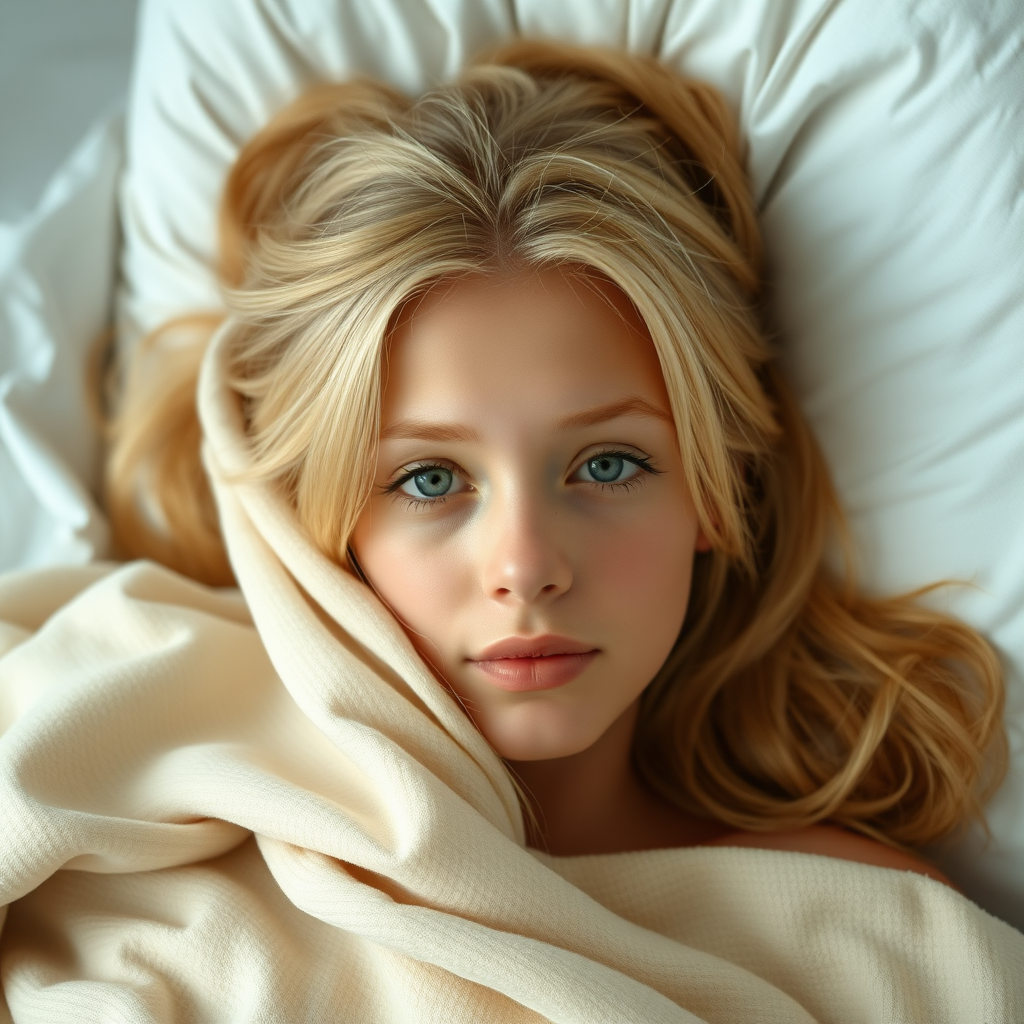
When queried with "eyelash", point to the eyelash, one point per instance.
{"points": [[408, 499], [643, 461], [392, 488]]}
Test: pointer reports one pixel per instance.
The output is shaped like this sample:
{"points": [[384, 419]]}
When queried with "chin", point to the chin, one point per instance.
{"points": [[536, 733]]}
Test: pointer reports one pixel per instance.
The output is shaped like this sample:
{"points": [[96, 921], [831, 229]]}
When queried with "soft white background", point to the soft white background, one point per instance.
{"points": [[64, 66], [62, 62]]}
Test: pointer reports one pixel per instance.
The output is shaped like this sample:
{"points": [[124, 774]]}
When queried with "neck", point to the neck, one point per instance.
{"points": [[594, 801]]}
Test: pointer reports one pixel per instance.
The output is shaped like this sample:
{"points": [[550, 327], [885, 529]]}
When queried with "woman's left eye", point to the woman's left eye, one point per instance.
{"points": [[612, 468]]}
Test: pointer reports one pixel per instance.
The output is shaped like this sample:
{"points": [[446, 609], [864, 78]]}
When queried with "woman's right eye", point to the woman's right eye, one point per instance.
{"points": [[431, 482]]}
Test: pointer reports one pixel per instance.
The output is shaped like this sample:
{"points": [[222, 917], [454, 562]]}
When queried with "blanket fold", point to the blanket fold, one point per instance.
{"points": [[262, 806]]}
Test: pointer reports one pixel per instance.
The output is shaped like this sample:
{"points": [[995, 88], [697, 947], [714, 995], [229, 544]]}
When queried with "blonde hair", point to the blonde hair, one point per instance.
{"points": [[789, 697]]}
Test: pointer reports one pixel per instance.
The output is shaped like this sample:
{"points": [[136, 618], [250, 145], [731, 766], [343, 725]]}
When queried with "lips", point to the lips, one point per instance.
{"points": [[519, 664], [533, 647]]}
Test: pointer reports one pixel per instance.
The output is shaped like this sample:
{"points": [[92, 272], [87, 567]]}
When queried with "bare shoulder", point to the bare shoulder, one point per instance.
{"points": [[830, 841]]}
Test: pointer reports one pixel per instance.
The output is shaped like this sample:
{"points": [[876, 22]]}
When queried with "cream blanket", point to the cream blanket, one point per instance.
{"points": [[262, 807]]}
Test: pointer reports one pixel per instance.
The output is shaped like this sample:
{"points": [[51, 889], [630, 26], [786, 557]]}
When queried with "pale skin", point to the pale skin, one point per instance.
{"points": [[529, 485]]}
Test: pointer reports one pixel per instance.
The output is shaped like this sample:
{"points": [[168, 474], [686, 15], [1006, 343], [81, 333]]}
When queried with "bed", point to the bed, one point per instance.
{"points": [[886, 154]]}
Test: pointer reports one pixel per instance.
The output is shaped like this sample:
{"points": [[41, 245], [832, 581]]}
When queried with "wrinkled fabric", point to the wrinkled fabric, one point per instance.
{"points": [[58, 266], [261, 806]]}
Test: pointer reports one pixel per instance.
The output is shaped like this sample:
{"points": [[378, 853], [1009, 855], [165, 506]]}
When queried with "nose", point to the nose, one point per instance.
{"points": [[523, 560]]}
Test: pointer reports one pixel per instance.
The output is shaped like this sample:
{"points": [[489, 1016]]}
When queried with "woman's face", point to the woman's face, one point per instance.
{"points": [[530, 525]]}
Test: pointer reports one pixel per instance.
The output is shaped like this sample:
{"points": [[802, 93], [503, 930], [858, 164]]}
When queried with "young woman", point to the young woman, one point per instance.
{"points": [[540, 620], [503, 348]]}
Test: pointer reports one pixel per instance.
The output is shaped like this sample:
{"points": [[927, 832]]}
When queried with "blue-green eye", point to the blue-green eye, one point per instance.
{"points": [[612, 468], [431, 482], [606, 469], [616, 468]]}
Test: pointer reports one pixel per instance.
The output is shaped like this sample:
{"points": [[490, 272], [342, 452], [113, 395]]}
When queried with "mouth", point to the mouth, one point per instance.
{"points": [[521, 664]]}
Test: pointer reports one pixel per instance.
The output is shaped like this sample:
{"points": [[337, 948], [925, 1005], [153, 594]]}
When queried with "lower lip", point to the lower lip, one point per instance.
{"points": [[519, 675]]}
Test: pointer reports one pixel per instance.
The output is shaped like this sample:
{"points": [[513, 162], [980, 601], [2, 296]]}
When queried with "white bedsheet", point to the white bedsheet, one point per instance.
{"points": [[63, 66], [57, 272]]}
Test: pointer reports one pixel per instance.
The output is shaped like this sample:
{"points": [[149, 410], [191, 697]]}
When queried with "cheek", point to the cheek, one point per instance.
{"points": [[420, 582], [645, 567], [641, 578]]}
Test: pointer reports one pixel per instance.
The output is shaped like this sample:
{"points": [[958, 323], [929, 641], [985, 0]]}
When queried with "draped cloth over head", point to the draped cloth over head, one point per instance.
{"points": [[222, 807]]}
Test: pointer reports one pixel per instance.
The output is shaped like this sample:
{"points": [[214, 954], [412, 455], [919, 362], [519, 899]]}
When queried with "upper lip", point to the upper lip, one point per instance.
{"points": [[532, 647]]}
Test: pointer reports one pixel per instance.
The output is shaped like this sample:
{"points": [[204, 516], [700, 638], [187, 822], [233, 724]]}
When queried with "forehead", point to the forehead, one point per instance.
{"points": [[538, 344]]}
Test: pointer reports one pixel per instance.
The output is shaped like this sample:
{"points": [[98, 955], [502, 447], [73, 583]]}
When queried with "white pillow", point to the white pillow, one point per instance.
{"points": [[57, 272], [886, 151]]}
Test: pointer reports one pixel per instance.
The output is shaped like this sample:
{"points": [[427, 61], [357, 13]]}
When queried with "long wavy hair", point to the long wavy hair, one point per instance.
{"points": [[789, 698]]}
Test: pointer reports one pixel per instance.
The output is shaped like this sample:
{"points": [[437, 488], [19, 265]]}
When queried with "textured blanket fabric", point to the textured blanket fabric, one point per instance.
{"points": [[262, 807]]}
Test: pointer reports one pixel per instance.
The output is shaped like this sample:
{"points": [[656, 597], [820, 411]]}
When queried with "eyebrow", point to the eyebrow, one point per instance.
{"points": [[421, 430], [634, 405]]}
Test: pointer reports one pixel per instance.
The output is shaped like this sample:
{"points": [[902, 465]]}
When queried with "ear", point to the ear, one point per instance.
{"points": [[703, 542]]}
